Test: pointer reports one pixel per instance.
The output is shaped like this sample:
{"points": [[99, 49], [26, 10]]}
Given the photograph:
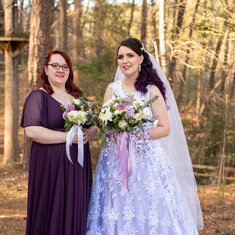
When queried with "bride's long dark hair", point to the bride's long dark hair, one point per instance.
{"points": [[147, 75]]}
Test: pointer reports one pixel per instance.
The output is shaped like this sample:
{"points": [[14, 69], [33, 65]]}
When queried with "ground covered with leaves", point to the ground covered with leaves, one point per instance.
{"points": [[218, 210]]}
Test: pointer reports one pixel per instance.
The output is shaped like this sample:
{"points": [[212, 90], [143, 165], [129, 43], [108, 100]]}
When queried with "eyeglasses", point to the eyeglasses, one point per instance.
{"points": [[57, 67]]}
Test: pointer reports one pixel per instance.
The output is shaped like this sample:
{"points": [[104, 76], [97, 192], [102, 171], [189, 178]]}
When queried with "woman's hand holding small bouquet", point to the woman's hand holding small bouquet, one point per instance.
{"points": [[125, 118], [78, 113]]}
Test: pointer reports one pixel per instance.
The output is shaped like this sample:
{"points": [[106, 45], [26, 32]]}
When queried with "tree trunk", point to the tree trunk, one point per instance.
{"points": [[154, 22], [184, 73], [174, 20], [63, 25], [78, 52], [180, 17], [225, 65], [144, 22], [41, 20], [97, 28], [21, 7], [131, 18], [199, 95], [232, 88], [162, 35], [215, 60], [11, 143]]}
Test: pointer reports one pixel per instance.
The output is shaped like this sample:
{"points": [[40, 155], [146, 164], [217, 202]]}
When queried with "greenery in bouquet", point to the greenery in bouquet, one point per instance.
{"points": [[126, 114], [80, 112]]}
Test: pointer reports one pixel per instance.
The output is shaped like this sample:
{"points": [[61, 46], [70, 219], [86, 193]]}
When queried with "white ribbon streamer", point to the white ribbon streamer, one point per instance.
{"points": [[69, 141]]}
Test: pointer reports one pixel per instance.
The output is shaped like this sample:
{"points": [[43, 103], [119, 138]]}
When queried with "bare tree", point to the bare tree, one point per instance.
{"points": [[131, 18], [162, 35], [63, 25], [98, 28], [225, 65], [154, 22], [11, 144], [215, 59], [176, 33], [78, 52], [144, 22], [38, 48], [232, 88], [184, 73]]}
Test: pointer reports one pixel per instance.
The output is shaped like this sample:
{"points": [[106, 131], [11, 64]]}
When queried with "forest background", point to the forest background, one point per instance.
{"points": [[193, 40]]}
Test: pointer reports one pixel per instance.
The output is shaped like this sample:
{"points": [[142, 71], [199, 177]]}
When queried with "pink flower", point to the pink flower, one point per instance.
{"points": [[89, 104], [120, 106], [65, 114], [70, 107]]}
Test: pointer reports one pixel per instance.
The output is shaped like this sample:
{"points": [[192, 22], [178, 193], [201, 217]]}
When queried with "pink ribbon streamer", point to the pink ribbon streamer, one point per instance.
{"points": [[123, 154]]}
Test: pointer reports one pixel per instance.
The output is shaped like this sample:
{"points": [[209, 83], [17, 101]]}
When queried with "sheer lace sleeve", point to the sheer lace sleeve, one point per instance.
{"points": [[31, 115]]}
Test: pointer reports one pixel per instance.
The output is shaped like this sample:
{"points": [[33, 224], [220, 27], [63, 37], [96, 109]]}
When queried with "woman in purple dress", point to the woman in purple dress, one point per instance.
{"points": [[58, 191]]}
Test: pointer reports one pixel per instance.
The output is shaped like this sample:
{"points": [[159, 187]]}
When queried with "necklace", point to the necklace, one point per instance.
{"points": [[61, 94], [125, 89]]}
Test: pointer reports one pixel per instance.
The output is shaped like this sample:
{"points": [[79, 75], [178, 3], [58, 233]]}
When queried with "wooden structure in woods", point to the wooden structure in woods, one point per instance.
{"points": [[214, 172], [11, 43]]}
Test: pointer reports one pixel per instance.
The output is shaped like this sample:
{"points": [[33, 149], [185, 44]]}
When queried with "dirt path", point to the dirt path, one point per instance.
{"points": [[218, 212]]}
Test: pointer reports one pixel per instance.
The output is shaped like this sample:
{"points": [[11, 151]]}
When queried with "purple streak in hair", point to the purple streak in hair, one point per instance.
{"points": [[149, 78]]}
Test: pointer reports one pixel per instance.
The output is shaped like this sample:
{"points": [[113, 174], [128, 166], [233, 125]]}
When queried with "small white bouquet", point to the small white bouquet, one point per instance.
{"points": [[78, 113]]}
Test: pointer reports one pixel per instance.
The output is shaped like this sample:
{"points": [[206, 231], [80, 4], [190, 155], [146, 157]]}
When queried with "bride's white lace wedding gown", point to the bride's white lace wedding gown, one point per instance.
{"points": [[154, 203]]}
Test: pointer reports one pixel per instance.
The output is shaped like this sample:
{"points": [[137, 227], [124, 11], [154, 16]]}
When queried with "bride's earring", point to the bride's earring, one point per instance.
{"points": [[139, 67]]}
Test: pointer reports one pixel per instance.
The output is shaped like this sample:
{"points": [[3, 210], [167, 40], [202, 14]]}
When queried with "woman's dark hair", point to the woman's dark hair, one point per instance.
{"points": [[70, 86], [147, 75]]}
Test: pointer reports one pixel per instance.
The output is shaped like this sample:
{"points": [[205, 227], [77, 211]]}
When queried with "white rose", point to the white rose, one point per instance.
{"points": [[71, 115], [79, 117], [116, 112], [135, 104], [155, 123], [77, 102], [122, 124], [141, 102], [146, 112], [138, 116]]}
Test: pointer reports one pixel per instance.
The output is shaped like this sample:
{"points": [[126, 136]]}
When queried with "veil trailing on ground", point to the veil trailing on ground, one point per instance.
{"points": [[175, 146]]}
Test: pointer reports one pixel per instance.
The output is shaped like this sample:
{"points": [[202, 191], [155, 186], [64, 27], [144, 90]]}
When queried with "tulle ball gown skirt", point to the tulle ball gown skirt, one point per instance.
{"points": [[154, 203]]}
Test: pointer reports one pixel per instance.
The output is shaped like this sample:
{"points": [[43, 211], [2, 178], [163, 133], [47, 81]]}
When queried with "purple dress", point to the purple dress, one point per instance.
{"points": [[58, 191]]}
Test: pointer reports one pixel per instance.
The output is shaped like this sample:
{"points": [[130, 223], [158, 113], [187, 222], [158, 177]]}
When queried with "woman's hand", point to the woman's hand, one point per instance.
{"points": [[89, 134]]}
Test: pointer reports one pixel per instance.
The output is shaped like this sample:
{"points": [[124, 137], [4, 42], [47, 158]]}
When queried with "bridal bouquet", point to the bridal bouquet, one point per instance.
{"points": [[123, 120], [125, 114], [78, 113]]}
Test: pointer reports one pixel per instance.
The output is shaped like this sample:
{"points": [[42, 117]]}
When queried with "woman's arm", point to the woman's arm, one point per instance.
{"points": [[44, 135], [160, 111], [108, 93], [107, 96]]}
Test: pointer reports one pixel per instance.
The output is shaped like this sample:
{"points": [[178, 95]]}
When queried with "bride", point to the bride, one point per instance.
{"points": [[162, 195]]}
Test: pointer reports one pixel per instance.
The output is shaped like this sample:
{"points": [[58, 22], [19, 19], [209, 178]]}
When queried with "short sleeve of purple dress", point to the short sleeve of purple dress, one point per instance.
{"points": [[58, 191]]}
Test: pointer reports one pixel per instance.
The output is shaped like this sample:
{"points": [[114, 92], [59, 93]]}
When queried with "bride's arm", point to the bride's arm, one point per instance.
{"points": [[160, 111], [108, 93], [107, 96]]}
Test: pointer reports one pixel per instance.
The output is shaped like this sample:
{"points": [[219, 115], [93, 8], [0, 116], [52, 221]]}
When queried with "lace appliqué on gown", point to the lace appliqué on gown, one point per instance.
{"points": [[154, 203]]}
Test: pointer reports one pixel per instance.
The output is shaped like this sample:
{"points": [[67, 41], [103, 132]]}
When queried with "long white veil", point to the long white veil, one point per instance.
{"points": [[175, 145]]}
